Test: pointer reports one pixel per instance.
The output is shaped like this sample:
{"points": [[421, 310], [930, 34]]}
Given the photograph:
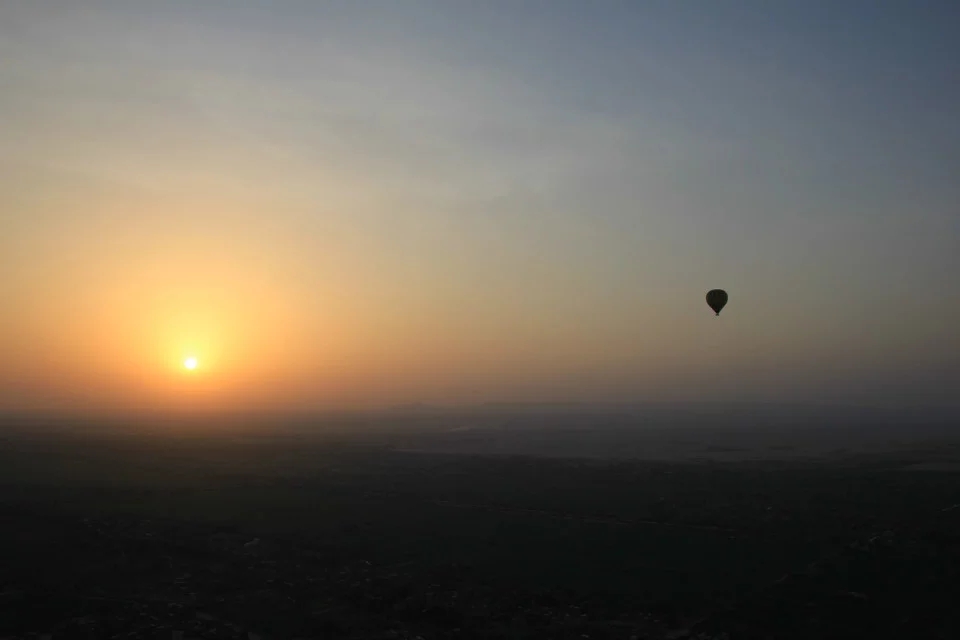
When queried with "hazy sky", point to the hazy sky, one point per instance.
{"points": [[347, 203]]}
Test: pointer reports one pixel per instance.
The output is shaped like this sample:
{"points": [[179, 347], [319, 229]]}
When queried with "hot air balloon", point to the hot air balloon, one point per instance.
{"points": [[717, 299]]}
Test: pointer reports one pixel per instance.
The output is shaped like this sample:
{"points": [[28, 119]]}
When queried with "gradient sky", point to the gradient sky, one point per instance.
{"points": [[357, 203]]}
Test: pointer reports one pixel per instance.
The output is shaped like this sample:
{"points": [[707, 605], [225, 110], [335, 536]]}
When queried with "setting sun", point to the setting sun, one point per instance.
{"points": [[190, 363]]}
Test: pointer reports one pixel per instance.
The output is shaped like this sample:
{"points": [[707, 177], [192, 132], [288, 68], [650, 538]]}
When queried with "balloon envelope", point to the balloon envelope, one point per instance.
{"points": [[717, 299]]}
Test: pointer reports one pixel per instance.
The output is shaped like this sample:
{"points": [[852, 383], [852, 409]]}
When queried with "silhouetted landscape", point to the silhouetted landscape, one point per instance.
{"points": [[504, 521]]}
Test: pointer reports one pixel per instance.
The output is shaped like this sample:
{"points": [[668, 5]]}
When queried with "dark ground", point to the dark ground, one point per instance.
{"points": [[121, 537]]}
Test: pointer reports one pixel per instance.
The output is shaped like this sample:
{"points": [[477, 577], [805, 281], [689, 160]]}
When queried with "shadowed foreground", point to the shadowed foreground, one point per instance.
{"points": [[296, 538]]}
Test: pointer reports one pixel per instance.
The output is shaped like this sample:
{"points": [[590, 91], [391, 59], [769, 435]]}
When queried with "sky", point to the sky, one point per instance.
{"points": [[350, 204]]}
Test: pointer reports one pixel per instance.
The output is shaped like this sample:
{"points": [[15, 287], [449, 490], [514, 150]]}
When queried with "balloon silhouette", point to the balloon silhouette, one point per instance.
{"points": [[717, 299]]}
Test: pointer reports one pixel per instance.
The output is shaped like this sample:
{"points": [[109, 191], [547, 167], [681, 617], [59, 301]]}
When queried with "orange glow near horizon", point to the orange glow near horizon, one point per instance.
{"points": [[328, 215]]}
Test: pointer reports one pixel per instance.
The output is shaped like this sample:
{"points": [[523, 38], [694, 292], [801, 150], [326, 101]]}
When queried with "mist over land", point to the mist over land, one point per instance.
{"points": [[575, 429], [544, 521]]}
